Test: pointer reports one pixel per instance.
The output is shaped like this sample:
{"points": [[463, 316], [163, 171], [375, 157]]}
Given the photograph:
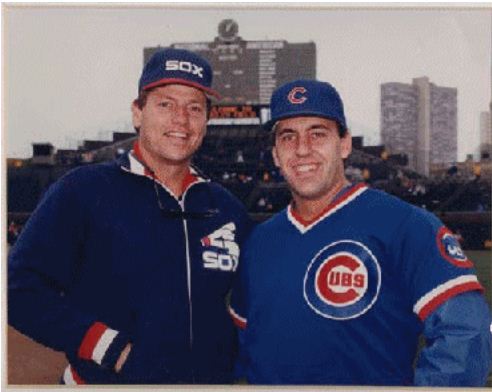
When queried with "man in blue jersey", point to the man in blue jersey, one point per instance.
{"points": [[125, 265], [337, 288]]}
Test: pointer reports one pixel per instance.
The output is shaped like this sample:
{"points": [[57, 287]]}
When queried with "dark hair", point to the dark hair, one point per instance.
{"points": [[341, 130], [141, 101]]}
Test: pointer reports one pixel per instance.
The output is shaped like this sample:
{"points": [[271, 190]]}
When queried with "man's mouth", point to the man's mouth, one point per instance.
{"points": [[305, 168], [177, 134]]}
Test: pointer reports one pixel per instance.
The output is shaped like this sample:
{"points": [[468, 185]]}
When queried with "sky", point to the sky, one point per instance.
{"points": [[70, 73]]}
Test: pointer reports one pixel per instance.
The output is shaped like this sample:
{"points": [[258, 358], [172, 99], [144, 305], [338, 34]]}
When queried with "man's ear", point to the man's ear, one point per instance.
{"points": [[136, 115], [275, 157], [346, 145]]}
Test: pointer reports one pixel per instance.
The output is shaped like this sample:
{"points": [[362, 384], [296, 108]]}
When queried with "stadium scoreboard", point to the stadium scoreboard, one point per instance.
{"points": [[247, 72]]}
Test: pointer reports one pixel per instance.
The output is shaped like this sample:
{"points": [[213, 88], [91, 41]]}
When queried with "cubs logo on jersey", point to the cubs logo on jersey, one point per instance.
{"points": [[222, 251], [342, 281], [450, 248]]}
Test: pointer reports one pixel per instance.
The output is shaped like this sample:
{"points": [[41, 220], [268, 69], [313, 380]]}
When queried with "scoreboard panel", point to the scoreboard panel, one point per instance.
{"points": [[239, 115], [247, 72]]}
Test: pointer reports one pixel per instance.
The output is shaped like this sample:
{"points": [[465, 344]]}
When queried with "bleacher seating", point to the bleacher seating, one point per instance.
{"points": [[240, 159]]}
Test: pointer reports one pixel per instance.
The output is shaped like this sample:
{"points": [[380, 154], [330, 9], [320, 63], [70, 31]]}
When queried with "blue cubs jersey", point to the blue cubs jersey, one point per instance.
{"points": [[342, 299]]}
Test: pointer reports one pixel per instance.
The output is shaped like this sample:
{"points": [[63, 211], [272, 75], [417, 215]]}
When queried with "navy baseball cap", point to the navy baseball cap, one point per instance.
{"points": [[306, 98], [177, 66]]}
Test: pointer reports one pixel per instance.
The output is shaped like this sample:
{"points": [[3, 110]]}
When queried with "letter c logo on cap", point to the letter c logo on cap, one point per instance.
{"points": [[295, 95]]}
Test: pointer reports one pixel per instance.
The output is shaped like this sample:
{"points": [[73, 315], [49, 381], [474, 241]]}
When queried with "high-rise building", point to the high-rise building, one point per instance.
{"points": [[420, 120], [485, 135], [399, 119], [247, 72]]}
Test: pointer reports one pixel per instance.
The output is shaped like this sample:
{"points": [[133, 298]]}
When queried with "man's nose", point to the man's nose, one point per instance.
{"points": [[303, 146], [180, 115]]}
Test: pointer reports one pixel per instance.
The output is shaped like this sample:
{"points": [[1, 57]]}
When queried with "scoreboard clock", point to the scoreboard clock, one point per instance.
{"points": [[228, 29]]}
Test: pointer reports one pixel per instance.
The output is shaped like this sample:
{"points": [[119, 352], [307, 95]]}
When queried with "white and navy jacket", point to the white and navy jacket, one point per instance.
{"points": [[111, 256]]}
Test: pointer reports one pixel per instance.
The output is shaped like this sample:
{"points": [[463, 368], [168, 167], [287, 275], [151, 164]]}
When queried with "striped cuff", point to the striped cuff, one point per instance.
{"points": [[71, 377], [102, 345], [430, 301], [239, 321]]}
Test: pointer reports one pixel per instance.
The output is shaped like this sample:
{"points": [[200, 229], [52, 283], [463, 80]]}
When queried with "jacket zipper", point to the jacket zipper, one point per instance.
{"points": [[181, 201]]}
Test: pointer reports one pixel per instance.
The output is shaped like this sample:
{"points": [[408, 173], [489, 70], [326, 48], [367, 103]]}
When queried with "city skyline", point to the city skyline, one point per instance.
{"points": [[71, 72], [419, 120]]}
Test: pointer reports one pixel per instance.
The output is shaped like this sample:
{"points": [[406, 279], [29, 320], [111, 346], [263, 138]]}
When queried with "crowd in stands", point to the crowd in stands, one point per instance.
{"points": [[241, 160], [245, 166]]}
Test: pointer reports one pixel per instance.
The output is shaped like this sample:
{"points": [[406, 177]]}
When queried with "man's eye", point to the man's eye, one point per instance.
{"points": [[196, 109], [286, 137], [165, 104], [319, 134]]}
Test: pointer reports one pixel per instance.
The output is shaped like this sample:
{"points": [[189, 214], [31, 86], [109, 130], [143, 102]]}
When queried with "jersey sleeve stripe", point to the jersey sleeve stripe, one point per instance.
{"points": [[240, 322], [430, 301]]}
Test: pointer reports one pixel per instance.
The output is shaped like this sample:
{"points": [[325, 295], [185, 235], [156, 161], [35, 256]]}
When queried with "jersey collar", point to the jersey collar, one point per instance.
{"points": [[135, 164], [344, 197]]}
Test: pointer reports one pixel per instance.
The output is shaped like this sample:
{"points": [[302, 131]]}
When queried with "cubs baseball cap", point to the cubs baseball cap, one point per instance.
{"points": [[177, 66], [306, 97]]}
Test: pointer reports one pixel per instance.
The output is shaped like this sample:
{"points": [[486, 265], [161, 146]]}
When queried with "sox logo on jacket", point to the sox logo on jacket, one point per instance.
{"points": [[222, 250]]}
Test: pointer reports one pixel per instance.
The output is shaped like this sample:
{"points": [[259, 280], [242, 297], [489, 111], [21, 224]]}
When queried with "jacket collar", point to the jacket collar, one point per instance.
{"points": [[344, 197], [133, 162]]}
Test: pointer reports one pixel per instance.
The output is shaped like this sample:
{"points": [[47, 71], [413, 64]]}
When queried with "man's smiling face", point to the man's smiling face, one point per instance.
{"points": [[172, 123]]}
